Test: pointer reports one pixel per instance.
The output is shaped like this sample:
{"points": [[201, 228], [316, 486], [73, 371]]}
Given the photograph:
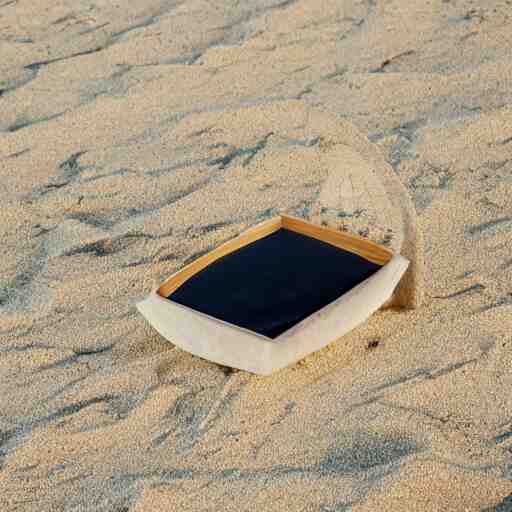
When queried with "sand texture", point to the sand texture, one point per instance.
{"points": [[135, 136]]}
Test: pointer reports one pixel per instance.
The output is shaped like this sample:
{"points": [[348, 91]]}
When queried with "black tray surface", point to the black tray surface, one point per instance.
{"points": [[273, 283]]}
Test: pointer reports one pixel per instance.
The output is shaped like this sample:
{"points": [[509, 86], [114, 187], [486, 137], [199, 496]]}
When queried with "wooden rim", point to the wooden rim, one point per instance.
{"points": [[367, 249]]}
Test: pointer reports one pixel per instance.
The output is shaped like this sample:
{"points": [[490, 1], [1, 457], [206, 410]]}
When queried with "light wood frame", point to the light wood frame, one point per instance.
{"points": [[343, 240]]}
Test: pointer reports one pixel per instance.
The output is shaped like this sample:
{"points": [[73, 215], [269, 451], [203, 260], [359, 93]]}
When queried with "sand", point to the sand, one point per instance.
{"points": [[135, 137]]}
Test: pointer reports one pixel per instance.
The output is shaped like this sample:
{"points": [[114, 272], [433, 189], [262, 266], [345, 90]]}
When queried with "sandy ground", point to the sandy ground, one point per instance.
{"points": [[135, 137]]}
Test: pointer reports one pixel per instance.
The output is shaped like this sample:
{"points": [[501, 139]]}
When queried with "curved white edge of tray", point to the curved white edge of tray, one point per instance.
{"points": [[230, 345]]}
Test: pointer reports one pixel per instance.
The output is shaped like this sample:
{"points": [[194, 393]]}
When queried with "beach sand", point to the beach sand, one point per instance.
{"points": [[135, 137]]}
